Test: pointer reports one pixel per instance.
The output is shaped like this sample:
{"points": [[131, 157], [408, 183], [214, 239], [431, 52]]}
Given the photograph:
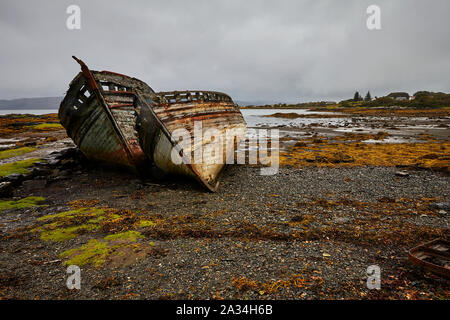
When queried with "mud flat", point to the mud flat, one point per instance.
{"points": [[342, 200]]}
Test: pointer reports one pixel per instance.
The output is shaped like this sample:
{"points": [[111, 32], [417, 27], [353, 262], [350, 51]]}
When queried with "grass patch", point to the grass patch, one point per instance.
{"points": [[145, 223], [22, 203], [93, 252], [270, 287], [428, 155], [66, 225], [128, 235], [118, 248], [63, 234], [17, 167], [85, 212], [18, 123], [15, 152], [47, 126]]}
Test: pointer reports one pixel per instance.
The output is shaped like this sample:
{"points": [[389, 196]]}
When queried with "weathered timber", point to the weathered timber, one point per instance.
{"points": [[98, 114], [433, 256], [186, 109], [121, 120]]}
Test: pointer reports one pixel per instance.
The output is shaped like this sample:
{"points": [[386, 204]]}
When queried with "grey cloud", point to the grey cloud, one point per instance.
{"points": [[253, 50]]}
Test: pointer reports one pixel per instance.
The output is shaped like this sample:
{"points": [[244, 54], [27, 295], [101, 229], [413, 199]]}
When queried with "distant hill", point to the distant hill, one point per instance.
{"points": [[252, 103], [52, 103], [47, 103]]}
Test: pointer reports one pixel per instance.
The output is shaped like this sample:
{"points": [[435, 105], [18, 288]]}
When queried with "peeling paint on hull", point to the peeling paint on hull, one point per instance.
{"points": [[121, 120], [177, 110], [98, 114]]}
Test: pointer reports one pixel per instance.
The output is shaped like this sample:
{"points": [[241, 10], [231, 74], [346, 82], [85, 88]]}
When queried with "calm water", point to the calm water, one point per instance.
{"points": [[29, 111], [253, 117], [257, 118]]}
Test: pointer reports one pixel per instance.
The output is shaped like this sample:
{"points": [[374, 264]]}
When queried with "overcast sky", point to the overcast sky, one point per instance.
{"points": [[285, 51]]}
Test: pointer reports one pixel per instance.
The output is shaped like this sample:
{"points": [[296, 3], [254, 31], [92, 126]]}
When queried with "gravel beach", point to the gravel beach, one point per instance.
{"points": [[242, 240], [308, 232]]}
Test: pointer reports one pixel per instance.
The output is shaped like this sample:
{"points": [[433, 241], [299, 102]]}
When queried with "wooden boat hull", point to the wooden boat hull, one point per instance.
{"points": [[162, 115], [433, 256], [98, 114], [121, 120]]}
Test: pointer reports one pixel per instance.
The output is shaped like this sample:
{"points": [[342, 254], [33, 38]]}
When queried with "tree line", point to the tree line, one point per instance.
{"points": [[358, 97]]}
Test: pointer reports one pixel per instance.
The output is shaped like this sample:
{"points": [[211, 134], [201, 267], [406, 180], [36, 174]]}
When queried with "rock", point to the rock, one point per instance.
{"points": [[34, 184], [6, 189], [53, 162], [402, 173], [60, 175], [64, 173], [40, 163], [441, 206], [39, 172], [68, 153], [297, 218], [341, 220], [15, 178], [300, 144], [68, 164]]}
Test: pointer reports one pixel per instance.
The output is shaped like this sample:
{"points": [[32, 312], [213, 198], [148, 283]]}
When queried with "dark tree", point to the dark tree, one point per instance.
{"points": [[357, 96], [368, 97]]}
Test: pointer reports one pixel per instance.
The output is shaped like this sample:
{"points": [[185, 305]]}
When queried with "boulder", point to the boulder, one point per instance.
{"points": [[6, 189]]}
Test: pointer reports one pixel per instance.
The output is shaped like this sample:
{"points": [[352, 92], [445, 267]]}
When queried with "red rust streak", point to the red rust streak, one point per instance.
{"points": [[121, 105], [200, 116], [118, 92]]}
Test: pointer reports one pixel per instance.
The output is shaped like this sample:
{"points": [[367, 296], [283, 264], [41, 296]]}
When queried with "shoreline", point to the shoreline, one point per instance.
{"points": [[292, 235]]}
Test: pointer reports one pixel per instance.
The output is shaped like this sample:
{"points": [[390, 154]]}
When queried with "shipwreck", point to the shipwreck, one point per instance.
{"points": [[433, 256], [121, 120]]}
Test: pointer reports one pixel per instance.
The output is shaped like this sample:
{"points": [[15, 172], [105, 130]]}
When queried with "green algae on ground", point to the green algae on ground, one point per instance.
{"points": [[5, 154], [145, 223], [17, 167], [58, 229], [119, 248], [69, 224], [22, 203], [96, 220], [63, 234], [47, 126], [94, 252], [127, 235], [91, 212]]}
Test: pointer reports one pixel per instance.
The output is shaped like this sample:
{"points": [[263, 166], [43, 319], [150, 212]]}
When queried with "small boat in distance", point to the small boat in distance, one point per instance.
{"points": [[434, 256], [121, 120]]}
